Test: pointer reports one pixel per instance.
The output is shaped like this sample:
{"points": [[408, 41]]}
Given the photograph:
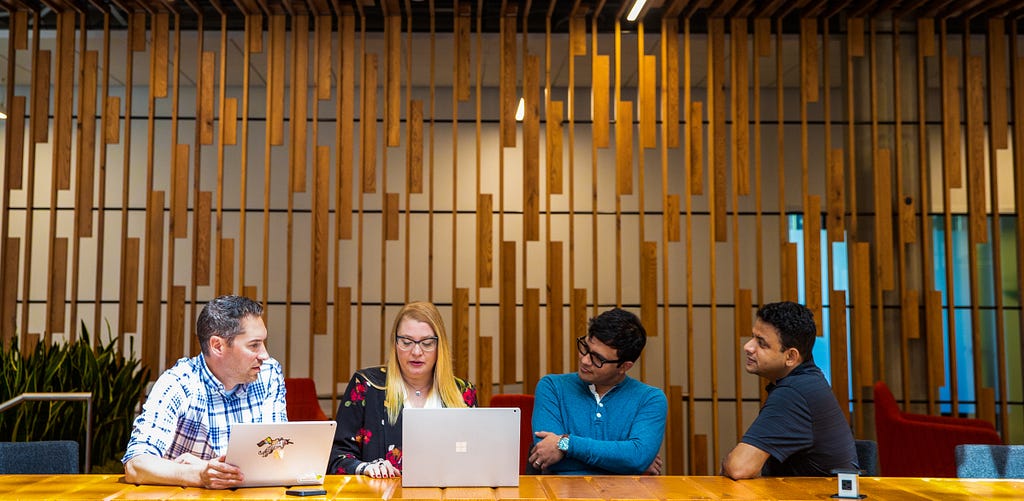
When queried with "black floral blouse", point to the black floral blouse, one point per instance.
{"points": [[364, 433]]}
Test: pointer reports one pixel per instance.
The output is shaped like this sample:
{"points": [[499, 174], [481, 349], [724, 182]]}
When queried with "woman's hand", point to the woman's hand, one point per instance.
{"points": [[381, 468]]}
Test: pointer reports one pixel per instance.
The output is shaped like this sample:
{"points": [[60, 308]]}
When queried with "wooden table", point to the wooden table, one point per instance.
{"points": [[531, 488]]}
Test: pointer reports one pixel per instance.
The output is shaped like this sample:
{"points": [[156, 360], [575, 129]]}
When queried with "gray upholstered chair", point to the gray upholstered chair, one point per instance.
{"points": [[45, 456], [867, 457], [989, 461]]}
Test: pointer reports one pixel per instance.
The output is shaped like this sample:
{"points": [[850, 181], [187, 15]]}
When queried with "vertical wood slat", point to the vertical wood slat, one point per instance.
{"points": [[716, 113], [926, 36], [391, 216], [19, 29], [987, 404], [507, 300], [599, 99], [64, 88], [997, 82], [393, 80], [809, 59], [649, 287], [460, 332], [229, 121], [346, 125], [15, 162], [111, 120], [204, 207], [484, 369], [975, 95], [129, 291], [484, 239], [275, 79], [207, 72], [9, 291], [696, 126], [175, 326], [909, 314], [812, 258], [55, 303], [508, 77], [414, 147], [838, 358], [935, 348], [553, 148], [740, 106], [836, 222], [255, 31], [153, 280], [883, 220], [670, 90], [556, 298], [179, 192], [762, 36], [299, 91], [225, 273], [322, 30], [531, 148], [672, 208], [462, 48], [531, 338], [647, 102], [161, 48], [788, 276], [342, 334], [577, 322], [578, 34], [951, 121], [674, 448], [29, 343], [87, 161], [320, 246], [860, 300], [908, 221], [368, 123], [699, 455], [624, 147], [40, 110]]}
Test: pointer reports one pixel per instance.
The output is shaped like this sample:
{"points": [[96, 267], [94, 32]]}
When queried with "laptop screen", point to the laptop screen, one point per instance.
{"points": [[466, 447]]}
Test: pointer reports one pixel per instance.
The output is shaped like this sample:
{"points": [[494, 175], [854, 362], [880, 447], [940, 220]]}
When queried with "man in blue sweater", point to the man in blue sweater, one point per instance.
{"points": [[800, 431], [598, 420]]}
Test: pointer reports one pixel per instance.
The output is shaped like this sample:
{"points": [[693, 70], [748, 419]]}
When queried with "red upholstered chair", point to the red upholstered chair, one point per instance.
{"points": [[919, 445], [525, 405], [302, 400]]}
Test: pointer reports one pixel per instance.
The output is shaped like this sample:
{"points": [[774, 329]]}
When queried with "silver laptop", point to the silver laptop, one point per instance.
{"points": [[474, 447], [281, 454]]}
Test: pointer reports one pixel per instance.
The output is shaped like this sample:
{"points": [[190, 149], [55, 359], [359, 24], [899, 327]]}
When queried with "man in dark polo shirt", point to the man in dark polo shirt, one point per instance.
{"points": [[800, 431]]}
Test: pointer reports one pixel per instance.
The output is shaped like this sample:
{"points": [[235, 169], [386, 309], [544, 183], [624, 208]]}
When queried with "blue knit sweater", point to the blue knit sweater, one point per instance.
{"points": [[620, 435]]}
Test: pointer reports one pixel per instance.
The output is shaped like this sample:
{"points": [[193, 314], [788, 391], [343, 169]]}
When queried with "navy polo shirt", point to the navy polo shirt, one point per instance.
{"points": [[802, 427]]}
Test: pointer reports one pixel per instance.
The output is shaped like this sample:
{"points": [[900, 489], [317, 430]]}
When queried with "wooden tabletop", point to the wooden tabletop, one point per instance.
{"points": [[531, 488]]}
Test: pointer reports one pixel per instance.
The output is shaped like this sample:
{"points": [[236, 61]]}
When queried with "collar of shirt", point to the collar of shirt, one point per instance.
{"points": [[214, 384]]}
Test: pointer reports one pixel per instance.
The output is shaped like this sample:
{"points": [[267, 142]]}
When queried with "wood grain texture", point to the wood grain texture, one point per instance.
{"points": [[14, 164], [322, 31], [578, 34], [624, 148], [699, 454], [275, 79], [175, 326], [649, 287], [204, 207], [40, 110], [951, 121], [207, 75], [9, 289], [716, 111], [229, 121], [507, 306], [414, 147], [153, 281], [910, 314], [908, 219], [976, 213], [600, 99], [462, 49], [484, 240], [531, 148], [460, 332], [648, 102], [763, 36], [19, 29], [670, 87], [368, 124], [159, 62], [809, 81], [391, 206], [885, 261], [508, 72], [675, 452], [788, 275], [933, 326], [577, 322], [484, 369], [860, 300], [346, 126], [320, 246], [112, 120], [839, 358], [812, 258], [393, 80], [836, 219], [255, 32], [926, 36], [56, 308], [129, 290], [86, 162], [554, 147], [225, 270], [342, 334], [997, 82], [531, 338], [987, 404], [740, 107], [855, 34], [299, 92], [696, 127], [672, 211], [179, 192], [555, 307]]}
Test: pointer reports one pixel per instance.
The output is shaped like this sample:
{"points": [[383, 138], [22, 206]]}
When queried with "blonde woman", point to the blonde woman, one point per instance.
{"points": [[418, 373]]}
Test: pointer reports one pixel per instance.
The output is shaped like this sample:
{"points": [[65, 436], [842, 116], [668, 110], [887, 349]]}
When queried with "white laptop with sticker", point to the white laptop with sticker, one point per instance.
{"points": [[281, 454], [465, 447]]}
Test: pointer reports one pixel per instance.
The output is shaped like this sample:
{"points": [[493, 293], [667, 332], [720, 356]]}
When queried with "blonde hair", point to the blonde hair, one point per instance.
{"points": [[444, 373]]}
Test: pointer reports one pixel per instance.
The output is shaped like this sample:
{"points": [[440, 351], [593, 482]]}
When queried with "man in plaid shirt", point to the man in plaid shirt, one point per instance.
{"points": [[181, 436]]}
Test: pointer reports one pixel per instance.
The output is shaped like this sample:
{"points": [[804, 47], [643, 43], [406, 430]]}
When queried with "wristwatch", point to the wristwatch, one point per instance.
{"points": [[563, 443]]}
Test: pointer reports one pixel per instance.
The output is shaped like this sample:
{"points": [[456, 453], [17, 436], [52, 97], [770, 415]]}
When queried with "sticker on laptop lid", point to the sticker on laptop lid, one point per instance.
{"points": [[273, 446]]}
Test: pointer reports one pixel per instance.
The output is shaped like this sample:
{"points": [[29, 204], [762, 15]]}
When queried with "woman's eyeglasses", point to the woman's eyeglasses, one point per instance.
{"points": [[405, 344], [597, 360]]}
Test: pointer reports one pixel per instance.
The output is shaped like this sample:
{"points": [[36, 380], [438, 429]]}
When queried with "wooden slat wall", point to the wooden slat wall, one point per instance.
{"points": [[578, 228]]}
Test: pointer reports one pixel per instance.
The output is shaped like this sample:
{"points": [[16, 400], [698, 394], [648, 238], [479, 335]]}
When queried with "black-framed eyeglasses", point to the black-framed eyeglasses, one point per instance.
{"points": [[406, 343], [597, 360]]}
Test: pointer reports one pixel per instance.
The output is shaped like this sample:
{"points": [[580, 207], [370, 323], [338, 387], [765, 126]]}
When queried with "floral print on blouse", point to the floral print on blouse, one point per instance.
{"points": [[364, 433]]}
